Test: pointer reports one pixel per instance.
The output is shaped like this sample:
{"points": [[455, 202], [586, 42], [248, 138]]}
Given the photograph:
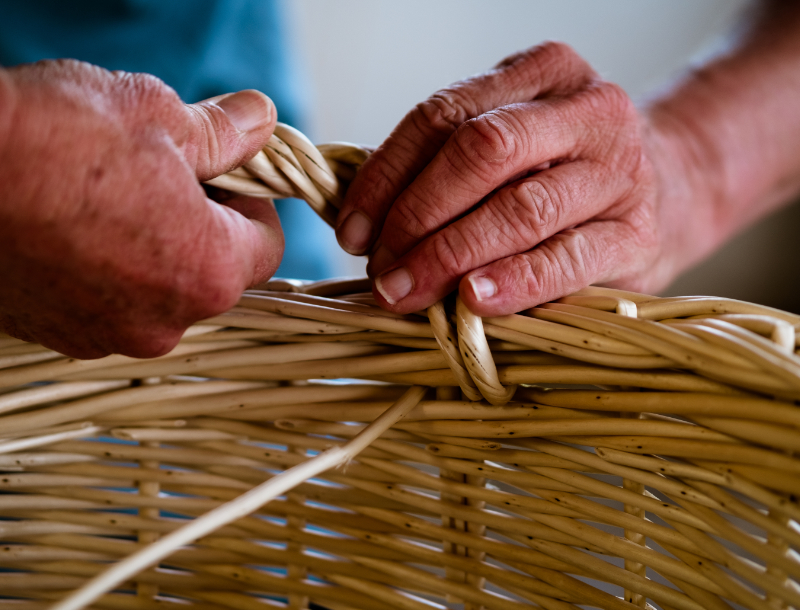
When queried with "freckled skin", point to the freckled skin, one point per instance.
{"points": [[542, 178], [108, 243]]}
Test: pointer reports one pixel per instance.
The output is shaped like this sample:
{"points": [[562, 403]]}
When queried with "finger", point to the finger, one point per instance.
{"points": [[218, 252], [265, 221], [230, 253], [11, 326], [550, 69], [73, 345], [254, 208], [512, 221], [225, 132], [597, 252], [254, 236], [489, 151], [72, 335]]}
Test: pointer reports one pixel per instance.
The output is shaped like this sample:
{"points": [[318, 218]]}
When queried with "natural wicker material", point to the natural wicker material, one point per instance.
{"points": [[612, 450], [291, 166]]}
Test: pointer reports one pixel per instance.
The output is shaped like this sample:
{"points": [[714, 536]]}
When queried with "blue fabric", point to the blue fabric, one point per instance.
{"points": [[201, 48]]}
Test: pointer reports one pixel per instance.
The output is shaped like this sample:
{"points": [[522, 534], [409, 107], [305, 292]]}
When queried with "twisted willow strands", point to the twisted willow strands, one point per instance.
{"points": [[291, 166], [610, 450]]}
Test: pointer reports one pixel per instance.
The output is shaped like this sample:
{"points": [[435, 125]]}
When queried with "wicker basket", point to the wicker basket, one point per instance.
{"points": [[610, 450], [647, 456]]}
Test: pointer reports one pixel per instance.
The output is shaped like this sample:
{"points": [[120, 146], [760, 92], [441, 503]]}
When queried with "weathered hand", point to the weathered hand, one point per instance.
{"points": [[519, 186], [108, 243]]}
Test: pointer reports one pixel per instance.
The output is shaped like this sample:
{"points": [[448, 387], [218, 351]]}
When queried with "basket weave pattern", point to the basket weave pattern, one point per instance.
{"points": [[608, 450]]}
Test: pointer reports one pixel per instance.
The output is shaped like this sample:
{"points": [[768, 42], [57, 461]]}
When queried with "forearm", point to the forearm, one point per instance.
{"points": [[7, 106], [732, 128]]}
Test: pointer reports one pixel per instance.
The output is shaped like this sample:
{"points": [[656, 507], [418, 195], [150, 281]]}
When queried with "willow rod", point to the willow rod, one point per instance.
{"points": [[242, 506]]}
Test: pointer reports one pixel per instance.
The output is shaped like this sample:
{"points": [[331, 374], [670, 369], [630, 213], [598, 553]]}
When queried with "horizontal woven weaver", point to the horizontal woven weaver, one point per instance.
{"points": [[608, 450]]}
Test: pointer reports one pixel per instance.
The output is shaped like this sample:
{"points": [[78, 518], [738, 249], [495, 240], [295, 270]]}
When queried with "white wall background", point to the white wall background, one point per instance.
{"points": [[370, 61]]}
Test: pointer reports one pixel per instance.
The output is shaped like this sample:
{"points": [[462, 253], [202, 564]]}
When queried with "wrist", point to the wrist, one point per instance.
{"points": [[690, 185], [729, 132]]}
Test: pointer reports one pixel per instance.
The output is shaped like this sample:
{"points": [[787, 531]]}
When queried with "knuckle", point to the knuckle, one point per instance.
{"points": [[612, 121], [383, 173], [532, 208], [211, 280], [515, 59], [194, 294], [451, 253], [142, 88], [557, 50], [575, 258], [444, 111], [412, 218], [526, 276], [491, 139], [149, 107], [206, 145], [544, 205], [618, 100], [610, 105], [644, 232], [550, 53], [558, 267], [553, 274], [165, 311], [555, 64], [216, 294]]}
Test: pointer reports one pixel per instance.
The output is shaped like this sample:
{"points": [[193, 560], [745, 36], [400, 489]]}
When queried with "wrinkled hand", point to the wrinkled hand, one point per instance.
{"points": [[519, 186], [108, 242]]}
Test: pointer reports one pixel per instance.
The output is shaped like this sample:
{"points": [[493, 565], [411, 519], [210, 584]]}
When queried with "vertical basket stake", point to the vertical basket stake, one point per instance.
{"points": [[148, 489], [781, 544], [477, 530], [452, 393], [296, 522], [636, 537]]}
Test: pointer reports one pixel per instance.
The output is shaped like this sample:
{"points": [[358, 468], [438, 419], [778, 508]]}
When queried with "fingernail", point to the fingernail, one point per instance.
{"points": [[355, 233], [483, 288], [382, 258], [395, 285], [247, 109]]}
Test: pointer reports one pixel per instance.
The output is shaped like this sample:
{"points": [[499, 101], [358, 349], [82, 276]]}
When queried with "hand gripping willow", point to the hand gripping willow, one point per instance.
{"points": [[291, 166]]}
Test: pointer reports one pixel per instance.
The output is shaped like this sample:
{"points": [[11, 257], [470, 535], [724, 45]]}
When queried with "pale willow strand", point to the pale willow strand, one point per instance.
{"points": [[556, 458], [241, 506]]}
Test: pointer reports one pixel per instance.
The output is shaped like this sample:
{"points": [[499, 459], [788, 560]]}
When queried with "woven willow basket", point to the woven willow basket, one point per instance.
{"points": [[308, 449]]}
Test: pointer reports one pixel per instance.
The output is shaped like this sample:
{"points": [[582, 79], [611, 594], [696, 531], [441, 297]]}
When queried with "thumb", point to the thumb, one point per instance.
{"points": [[226, 131]]}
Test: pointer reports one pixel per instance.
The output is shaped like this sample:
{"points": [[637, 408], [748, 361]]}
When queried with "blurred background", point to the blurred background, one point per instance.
{"points": [[368, 62]]}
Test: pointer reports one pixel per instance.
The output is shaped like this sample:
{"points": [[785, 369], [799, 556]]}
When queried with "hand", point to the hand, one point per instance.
{"points": [[519, 186], [108, 242]]}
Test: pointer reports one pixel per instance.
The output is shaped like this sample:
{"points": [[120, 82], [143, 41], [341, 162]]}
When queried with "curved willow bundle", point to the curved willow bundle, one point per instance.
{"points": [[291, 166], [608, 450]]}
